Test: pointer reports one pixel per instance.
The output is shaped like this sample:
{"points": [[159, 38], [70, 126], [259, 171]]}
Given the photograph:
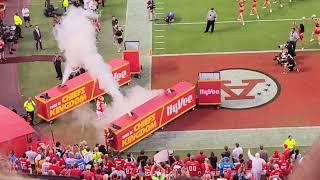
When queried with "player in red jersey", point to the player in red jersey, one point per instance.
{"points": [[107, 164], [177, 166], [267, 3], [300, 30], [241, 10], [119, 162], [316, 31], [193, 167], [276, 173], [254, 9], [130, 168], [25, 164]]}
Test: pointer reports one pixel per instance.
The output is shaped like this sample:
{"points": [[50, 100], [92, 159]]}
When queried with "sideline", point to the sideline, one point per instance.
{"points": [[225, 22], [235, 52], [217, 139]]}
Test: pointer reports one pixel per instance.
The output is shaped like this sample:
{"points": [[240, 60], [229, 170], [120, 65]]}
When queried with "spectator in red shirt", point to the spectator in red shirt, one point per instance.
{"points": [[187, 158], [65, 172], [87, 174], [283, 165], [25, 164], [200, 157], [275, 156], [130, 167], [206, 167], [193, 167], [286, 151], [177, 166], [107, 165], [98, 175], [276, 173], [75, 171], [55, 167], [119, 162], [147, 171]]}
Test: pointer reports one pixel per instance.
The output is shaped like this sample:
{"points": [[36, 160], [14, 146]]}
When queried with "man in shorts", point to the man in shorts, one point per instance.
{"points": [[26, 16]]}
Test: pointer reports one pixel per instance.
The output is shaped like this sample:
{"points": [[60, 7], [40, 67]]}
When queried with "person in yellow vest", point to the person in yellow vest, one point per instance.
{"points": [[65, 4], [18, 23], [291, 143], [29, 106]]}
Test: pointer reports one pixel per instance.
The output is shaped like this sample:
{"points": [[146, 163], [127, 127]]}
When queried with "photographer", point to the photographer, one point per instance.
{"points": [[9, 40], [150, 7], [170, 17], [291, 49]]}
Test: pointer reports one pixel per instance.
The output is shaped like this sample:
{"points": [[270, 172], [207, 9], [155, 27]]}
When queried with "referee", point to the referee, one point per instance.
{"points": [[211, 19]]}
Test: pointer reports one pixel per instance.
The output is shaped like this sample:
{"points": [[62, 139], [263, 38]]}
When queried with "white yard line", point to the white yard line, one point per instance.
{"points": [[160, 48], [159, 30], [236, 52], [159, 42], [159, 36], [159, 3], [159, 13], [225, 22]]}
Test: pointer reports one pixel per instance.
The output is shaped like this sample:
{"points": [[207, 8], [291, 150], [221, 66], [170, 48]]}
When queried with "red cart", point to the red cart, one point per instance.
{"points": [[209, 88]]}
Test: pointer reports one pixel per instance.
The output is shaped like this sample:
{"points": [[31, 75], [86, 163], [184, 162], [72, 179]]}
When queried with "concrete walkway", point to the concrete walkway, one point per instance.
{"points": [[217, 139], [139, 28]]}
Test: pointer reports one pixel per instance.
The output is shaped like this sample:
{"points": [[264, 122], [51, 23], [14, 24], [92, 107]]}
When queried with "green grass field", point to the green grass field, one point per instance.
{"points": [[38, 76], [186, 35]]}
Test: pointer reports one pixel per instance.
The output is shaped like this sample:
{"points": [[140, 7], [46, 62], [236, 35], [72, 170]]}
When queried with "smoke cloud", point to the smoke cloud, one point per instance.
{"points": [[76, 37]]}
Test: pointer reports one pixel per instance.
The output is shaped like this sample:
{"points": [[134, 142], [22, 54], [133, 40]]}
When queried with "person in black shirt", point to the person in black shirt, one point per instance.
{"points": [[114, 27], [119, 37], [226, 152], [213, 160], [142, 158], [290, 64], [9, 40], [57, 60]]}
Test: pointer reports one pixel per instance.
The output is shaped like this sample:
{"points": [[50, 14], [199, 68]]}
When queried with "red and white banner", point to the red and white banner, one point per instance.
{"points": [[79, 90], [209, 92], [151, 116]]}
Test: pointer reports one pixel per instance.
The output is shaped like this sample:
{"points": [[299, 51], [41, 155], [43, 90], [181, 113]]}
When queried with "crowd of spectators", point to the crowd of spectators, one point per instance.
{"points": [[98, 163]]}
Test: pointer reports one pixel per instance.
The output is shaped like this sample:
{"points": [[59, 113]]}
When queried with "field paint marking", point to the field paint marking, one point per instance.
{"points": [[225, 22], [159, 42], [159, 30], [236, 52], [159, 13], [161, 8], [159, 36], [159, 48], [159, 2]]}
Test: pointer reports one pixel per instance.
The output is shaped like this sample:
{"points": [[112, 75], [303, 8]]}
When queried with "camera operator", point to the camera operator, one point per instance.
{"points": [[291, 49], [9, 40]]}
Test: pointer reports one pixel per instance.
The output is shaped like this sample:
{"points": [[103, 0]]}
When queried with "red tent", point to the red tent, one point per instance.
{"points": [[15, 133]]}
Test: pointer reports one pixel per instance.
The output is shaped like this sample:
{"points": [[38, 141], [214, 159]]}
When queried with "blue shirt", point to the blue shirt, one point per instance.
{"points": [[170, 14], [81, 164]]}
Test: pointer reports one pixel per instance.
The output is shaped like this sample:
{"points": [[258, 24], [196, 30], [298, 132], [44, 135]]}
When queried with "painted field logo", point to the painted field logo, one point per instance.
{"points": [[242, 88], [174, 108]]}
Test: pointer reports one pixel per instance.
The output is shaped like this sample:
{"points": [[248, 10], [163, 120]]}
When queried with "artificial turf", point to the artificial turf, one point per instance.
{"points": [[189, 38], [37, 76]]}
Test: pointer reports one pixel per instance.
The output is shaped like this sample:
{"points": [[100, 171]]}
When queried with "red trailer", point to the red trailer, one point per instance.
{"points": [[15, 133]]}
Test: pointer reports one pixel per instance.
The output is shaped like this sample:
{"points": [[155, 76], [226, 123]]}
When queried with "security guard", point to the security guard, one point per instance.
{"points": [[18, 24], [65, 4], [29, 106]]}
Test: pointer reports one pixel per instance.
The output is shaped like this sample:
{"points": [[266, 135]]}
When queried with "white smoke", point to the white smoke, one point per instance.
{"points": [[76, 37], [89, 127]]}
